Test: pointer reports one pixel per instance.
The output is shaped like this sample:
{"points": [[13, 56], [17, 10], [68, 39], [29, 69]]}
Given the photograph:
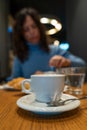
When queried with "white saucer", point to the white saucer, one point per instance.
{"points": [[29, 103]]}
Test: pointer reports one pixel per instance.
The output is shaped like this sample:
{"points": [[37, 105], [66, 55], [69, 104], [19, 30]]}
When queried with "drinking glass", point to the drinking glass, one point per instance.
{"points": [[75, 77]]}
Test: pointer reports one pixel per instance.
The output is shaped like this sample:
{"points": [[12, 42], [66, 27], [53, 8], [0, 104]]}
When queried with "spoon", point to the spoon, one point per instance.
{"points": [[63, 102]]}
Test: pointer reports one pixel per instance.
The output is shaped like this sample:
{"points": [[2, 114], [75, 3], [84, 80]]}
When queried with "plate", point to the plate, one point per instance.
{"points": [[1, 86], [7, 87], [29, 103]]}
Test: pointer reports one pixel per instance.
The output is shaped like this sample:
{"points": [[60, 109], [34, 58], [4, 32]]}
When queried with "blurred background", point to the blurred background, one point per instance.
{"points": [[68, 28]]}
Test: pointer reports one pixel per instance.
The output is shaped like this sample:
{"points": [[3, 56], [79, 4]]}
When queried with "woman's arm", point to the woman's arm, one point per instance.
{"points": [[75, 60], [64, 58]]}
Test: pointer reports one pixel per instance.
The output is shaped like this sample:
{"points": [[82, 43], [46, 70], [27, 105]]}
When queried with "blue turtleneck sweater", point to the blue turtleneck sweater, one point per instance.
{"points": [[38, 60]]}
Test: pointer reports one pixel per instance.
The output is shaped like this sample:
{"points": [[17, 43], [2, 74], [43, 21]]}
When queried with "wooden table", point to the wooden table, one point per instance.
{"points": [[14, 118]]}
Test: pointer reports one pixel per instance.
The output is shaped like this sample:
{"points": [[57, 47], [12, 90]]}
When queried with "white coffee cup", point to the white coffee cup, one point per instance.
{"points": [[45, 86]]}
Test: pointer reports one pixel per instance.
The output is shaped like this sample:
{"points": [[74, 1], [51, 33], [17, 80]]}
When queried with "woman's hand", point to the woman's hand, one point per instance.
{"points": [[59, 61]]}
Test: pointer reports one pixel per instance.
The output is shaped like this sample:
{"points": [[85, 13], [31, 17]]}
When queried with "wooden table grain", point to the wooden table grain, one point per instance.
{"points": [[14, 118]]}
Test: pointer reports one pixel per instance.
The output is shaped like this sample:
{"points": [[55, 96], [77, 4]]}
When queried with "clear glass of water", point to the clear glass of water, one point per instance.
{"points": [[75, 77], [75, 83]]}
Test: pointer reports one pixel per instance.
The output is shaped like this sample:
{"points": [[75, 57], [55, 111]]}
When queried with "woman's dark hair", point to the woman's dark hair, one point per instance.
{"points": [[20, 48]]}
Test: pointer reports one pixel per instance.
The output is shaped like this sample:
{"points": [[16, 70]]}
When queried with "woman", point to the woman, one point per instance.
{"points": [[32, 52]]}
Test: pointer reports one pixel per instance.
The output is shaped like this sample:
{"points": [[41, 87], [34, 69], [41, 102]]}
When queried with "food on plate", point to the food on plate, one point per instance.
{"points": [[16, 83]]}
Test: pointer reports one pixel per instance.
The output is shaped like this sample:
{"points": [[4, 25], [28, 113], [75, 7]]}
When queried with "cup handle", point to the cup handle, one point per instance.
{"points": [[23, 86]]}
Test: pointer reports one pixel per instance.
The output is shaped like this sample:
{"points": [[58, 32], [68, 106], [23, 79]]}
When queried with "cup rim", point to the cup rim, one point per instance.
{"points": [[48, 75]]}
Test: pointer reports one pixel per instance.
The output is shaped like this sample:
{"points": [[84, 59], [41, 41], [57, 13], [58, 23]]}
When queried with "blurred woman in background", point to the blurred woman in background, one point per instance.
{"points": [[33, 54]]}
